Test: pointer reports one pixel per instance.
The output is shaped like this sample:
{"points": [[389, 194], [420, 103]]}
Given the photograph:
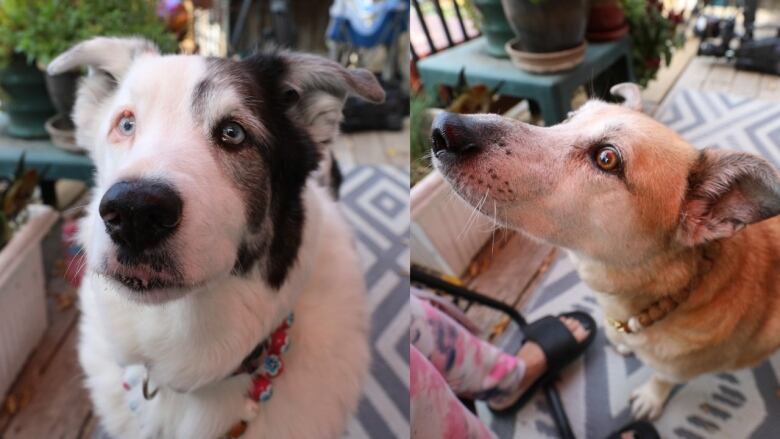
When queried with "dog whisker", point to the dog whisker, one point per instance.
{"points": [[472, 216], [79, 252]]}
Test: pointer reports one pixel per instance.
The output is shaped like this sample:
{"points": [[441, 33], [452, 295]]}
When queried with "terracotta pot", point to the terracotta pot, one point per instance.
{"points": [[605, 17]]}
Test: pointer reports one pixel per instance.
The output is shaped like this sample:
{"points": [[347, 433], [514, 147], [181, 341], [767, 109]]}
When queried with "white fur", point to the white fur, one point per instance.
{"points": [[187, 341]]}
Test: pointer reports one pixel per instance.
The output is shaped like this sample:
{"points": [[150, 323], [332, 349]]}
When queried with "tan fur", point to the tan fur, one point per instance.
{"points": [[638, 241]]}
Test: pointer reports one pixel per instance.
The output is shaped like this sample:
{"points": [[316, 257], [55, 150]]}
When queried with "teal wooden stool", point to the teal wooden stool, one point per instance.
{"points": [[51, 162], [605, 64]]}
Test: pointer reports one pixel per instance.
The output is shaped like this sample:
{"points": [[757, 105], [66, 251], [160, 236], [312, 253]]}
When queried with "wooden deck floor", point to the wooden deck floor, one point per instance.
{"points": [[374, 147]]}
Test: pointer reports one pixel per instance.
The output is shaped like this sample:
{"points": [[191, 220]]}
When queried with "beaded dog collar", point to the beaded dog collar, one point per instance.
{"points": [[662, 307], [264, 364], [653, 313]]}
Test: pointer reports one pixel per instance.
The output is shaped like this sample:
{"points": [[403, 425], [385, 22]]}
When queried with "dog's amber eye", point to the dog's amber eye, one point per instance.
{"points": [[233, 133], [608, 158]]}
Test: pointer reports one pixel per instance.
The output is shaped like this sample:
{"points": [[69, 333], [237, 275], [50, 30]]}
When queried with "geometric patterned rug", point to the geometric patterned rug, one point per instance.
{"points": [[595, 389], [375, 200]]}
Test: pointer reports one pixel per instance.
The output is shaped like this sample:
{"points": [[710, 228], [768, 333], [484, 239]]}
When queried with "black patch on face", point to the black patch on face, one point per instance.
{"points": [[336, 178], [272, 172], [245, 259]]}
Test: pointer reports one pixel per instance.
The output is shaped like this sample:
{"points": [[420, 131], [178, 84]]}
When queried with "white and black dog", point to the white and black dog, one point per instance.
{"points": [[207, 229]]}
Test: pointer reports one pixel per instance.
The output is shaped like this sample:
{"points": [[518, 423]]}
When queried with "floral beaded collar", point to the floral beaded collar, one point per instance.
{"points": [[264, 364]]}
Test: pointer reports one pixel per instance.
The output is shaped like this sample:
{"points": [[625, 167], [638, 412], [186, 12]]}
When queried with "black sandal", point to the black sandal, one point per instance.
{"points": [[560, 349], [640, 429]]}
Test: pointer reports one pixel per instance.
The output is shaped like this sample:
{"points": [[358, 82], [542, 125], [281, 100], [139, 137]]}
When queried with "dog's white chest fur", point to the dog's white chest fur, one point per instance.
{"points": [[196, 340]]}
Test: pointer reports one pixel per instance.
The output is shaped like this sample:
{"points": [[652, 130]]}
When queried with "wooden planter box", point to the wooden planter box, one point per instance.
{"points": [[22, 294], [446, 233]]}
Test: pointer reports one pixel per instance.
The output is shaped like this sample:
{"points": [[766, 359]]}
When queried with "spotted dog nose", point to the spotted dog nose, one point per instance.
{"points": [[140, 214], [451, 135]]}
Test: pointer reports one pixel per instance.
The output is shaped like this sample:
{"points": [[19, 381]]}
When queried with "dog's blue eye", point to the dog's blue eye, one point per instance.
{"points": [[126, 125], [233, 133]]}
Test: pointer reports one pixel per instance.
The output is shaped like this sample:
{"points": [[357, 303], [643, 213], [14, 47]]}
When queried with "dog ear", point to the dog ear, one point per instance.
{"points": [[112, 56], [631, 94], [107, 60], [318, 88], [727, 190]]}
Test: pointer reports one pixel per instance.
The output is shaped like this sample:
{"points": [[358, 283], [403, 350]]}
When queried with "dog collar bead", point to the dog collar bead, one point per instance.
{"points": [[650, 315]]}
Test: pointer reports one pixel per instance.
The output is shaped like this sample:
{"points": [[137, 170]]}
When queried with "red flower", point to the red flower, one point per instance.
{"points": [[675, 17], [653, 63]]}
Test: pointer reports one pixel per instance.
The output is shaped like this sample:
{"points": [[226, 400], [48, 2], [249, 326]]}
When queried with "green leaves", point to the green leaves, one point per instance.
{"points": [[5, 230], [654, 36], [15, 195], [42, 29]]}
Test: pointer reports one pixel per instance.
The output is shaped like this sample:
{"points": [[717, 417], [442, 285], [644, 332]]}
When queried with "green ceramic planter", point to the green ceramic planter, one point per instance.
{"points": [[25, 99], [494, 26], [545, 26]]}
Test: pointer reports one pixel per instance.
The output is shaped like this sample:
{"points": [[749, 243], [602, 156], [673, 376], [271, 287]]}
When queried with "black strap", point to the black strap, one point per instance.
{"points": [[640, 429], [555, 339]]}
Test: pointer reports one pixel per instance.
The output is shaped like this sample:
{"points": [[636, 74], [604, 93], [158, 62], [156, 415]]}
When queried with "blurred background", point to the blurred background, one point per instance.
{"points": [[45, 179]]}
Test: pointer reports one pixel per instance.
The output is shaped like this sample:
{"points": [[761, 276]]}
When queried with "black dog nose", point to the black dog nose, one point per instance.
{"points": [[451, 134], [140, 214]]}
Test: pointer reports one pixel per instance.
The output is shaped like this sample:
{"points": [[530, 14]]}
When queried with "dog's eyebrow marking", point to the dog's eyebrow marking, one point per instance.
{"points": [[209, 107], [200, 95]]}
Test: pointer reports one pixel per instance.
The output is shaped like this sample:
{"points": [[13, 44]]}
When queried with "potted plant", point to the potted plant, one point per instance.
{"points": [[654, 36], [606, 21], [22, 88], [22, 277], [494, 26], [550, 34], [45, 28]]}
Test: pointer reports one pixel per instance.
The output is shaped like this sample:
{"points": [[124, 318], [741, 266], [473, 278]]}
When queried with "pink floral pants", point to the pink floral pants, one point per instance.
{"points": [[447, 360]]}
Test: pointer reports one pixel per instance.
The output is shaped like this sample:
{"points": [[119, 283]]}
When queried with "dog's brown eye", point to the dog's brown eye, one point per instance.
{"points": [[233, 133], [608, 158]]}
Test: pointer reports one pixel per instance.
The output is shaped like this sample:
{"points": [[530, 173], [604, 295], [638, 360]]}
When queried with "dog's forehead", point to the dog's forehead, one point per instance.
{"points": [[164, 76], [596, 116], [195, 87]]}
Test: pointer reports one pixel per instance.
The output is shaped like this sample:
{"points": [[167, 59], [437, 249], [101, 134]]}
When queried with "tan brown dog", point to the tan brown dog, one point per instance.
{"points": [[650, 222]]}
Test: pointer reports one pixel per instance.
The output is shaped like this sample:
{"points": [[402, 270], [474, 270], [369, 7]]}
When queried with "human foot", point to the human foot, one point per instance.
{"points": [[551, 334], [533, 355]]}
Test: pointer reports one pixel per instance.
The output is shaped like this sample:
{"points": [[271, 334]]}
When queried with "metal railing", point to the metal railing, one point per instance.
{"points": [[435, 20]]}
